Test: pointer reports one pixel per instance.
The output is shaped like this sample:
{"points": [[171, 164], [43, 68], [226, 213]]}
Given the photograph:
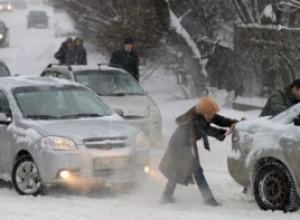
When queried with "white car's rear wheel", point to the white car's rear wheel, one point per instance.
{"points": [[274, 188], [25, 177]]}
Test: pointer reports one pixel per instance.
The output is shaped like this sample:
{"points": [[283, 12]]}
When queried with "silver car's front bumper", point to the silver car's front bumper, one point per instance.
{"points": [[93, 166]]}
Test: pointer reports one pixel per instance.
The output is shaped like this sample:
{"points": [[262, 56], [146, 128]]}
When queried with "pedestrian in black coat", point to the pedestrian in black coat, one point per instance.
{"points": [[60, 55], [76, 55], [126, 58], [181, 161]]}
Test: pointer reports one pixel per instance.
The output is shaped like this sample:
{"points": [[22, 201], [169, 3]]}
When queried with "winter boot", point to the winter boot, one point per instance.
{"points": [[212, 202]]}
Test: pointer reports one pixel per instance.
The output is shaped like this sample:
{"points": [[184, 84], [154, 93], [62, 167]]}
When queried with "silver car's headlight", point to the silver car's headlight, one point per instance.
{"points": [[9, 7], [1, 36], [153, 110], [58, 143], [141, 140]]}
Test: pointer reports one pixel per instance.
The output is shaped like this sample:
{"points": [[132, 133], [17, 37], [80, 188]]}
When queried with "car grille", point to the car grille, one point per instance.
{"points": [[106, 143]]}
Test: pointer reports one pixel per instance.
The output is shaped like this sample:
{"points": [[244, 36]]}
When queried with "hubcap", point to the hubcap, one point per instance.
{"points": [[274, 189], [27, 177]]}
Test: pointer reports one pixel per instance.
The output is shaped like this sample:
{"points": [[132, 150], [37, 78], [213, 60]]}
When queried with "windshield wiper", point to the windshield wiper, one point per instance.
{"points": [[42, 117], [83, 115], [118, 94]]}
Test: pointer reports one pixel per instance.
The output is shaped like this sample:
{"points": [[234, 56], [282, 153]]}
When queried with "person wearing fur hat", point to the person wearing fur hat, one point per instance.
{"points": [[126, 58], [180, 162], [76, 55]]}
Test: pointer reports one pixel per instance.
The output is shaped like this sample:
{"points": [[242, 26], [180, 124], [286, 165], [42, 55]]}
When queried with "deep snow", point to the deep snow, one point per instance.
{"points": [[30, 51]]}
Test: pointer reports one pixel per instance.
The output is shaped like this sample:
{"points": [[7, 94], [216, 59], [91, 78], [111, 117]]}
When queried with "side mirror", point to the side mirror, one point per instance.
{"points": [[4, 119], [119, 111]]}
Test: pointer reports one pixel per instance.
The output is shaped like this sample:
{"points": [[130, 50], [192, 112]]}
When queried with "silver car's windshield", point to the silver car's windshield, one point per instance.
{"points": [[59, 102], [108, 82]]}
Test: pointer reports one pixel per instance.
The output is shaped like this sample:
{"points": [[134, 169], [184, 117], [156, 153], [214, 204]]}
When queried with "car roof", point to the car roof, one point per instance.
{"points": [[74, 68], [23, 81]]}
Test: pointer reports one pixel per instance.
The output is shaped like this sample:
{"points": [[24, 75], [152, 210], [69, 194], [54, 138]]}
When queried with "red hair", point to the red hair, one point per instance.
{"points": [[207, 105]]}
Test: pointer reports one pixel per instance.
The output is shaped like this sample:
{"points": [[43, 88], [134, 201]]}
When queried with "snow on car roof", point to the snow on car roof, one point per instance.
{"points": [[85, 67], [20, 81]]}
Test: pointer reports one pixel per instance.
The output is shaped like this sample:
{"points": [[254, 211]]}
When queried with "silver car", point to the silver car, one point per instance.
{"points": [[119, 90], [54, 131], [265, 159]]}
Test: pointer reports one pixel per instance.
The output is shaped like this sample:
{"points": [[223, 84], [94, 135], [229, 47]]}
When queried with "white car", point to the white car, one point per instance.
{"points": [[265, 159], [54, 131], [5, 5], [119, 90]]}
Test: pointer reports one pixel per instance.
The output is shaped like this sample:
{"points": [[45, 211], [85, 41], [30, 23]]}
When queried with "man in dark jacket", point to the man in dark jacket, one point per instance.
{"points": [[60, 55], [282, 99], [76, 55], [181, 161], [126, 58]]}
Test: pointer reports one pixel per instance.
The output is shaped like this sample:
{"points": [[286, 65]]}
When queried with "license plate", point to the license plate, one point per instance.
{"points": [[112, 164]]}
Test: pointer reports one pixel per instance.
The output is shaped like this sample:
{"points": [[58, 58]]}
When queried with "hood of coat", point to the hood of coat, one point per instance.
{"points": [[186, 117]]}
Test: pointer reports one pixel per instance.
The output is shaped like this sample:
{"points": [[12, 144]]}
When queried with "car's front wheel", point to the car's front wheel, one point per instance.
{"points": [[274, 188], [25, 177]]}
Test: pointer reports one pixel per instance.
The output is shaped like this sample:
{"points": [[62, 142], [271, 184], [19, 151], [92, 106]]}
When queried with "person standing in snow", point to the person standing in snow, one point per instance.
{"points": [[126, 58], [60, 55], [181, 161], [283, 99], [76, 55]]}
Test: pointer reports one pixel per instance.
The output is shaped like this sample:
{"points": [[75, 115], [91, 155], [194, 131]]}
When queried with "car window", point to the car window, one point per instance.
{"points": [[59, 102], [49, 73], [62, 76], [38, 14], [4, 105], [108, 82]]}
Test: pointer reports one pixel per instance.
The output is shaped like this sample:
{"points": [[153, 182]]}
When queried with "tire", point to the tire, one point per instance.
{"points": [[274, 188], [25, 177]]}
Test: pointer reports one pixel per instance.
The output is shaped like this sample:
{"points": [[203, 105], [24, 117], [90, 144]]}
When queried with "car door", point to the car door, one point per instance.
{"points": [[5, 137]]}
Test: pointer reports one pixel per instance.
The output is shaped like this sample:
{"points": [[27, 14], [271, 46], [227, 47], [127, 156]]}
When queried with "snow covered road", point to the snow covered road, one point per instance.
{"points": [[29, 52]]}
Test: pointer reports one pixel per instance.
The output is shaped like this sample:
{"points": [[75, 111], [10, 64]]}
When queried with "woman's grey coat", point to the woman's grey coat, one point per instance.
{"points": [[178, 162]]}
